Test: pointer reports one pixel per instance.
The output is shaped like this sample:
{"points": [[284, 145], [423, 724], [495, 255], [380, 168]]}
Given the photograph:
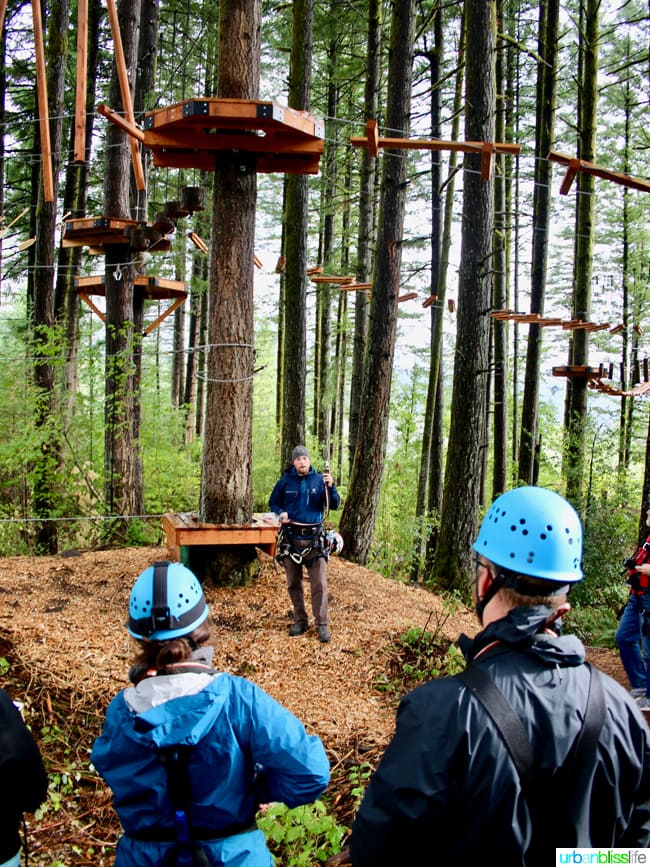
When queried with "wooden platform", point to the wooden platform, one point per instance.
{"points": [[184, 530], [192, 133], [97, 232], [153, 289]]}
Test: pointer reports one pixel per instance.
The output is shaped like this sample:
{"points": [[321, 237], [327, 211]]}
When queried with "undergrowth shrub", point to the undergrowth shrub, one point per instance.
{"points": [[302, 836]]}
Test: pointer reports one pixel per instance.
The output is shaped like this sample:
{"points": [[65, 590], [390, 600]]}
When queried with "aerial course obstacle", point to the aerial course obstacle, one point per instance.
{"points": [[192, 134]]}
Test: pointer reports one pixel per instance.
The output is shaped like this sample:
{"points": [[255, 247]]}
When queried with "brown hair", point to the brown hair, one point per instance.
{"points": [[160, 654]]}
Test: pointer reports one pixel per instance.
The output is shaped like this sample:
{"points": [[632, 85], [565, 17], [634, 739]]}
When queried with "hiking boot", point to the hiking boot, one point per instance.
{"points": [[324, 635], [637, 692], [298, 629]]}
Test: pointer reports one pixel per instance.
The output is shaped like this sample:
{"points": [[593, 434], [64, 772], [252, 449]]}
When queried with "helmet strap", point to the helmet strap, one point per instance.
{"points": [[160, 613]]}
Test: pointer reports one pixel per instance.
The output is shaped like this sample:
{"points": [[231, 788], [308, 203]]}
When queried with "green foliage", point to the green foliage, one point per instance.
{"points": [[359, 777], [302, 836]]}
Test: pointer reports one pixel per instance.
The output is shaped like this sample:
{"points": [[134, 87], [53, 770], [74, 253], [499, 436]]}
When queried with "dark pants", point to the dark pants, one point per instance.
{"points": [[317, 572]]}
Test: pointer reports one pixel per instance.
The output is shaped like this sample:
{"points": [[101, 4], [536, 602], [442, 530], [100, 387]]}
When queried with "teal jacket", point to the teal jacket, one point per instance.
{"points": [[247, 749]]}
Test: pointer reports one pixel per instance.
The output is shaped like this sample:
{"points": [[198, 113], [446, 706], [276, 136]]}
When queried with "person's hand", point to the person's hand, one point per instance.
{"points": [[328, 479], [283, 517], [643, 568]]}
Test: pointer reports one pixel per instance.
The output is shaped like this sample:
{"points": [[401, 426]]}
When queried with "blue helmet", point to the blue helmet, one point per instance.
{"points": [[534, 532], [166, 602]]}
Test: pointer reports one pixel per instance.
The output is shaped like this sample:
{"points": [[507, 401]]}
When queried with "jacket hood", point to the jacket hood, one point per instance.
{"points": [[523, 628], [174, 709]]}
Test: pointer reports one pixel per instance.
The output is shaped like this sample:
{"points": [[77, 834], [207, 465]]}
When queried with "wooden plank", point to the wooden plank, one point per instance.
{"points": [[575, 165], [125, 91], [43, 110], [81, 83]]}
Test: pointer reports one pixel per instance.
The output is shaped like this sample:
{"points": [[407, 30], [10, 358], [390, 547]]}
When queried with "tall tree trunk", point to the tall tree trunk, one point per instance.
{"points": [[360, 510], [545, 130], [123, 484], [367, 185], [585, 199], [226, 483], [45, 475], [434, 57], [296, 217], [499, 327], [463, 470]]}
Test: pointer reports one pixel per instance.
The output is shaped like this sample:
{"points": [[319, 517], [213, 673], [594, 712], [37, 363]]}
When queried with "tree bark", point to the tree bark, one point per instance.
{"points": [[549, 12], [464, 455], [360, 510], [226, 483]]}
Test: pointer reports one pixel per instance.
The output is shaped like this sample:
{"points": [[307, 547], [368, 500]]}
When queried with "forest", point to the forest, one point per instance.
{"points": [[411, 235]]}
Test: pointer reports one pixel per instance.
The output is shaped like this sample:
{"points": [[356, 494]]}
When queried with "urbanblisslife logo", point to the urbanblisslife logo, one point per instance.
{"points": [[601, 856]]}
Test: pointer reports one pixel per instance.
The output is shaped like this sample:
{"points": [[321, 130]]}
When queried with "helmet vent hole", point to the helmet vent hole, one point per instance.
{"points": [[542, 536], [513, 528], [524, 532]]}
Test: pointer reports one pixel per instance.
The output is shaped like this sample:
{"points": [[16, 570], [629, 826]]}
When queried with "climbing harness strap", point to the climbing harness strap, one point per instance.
{"points": [[300, 542], [569, 774], [188, 851]]}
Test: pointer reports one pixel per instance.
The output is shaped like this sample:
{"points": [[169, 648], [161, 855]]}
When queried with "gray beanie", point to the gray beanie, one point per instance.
{"points": [[299, 452]]}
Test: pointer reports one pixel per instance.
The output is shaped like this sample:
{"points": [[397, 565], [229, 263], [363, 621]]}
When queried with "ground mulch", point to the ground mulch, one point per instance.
{"points": [[62, 631]]}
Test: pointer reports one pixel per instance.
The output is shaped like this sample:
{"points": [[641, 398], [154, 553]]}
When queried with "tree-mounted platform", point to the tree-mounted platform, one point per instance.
{"points": [[100, 232], [185, 530], [193, 133], [153, 289], [581, 371], [373, 142]]}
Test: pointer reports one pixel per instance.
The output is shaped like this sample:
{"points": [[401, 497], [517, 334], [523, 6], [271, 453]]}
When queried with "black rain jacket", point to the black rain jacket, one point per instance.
{"points": [[447, 792], [23, 780]]}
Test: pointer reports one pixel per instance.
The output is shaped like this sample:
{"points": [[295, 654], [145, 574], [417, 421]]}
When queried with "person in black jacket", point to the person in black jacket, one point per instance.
{"points": [[447, 790], [23, 780]]}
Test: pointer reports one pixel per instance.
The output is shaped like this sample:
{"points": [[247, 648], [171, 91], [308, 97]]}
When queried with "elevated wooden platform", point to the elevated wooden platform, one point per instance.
{"points": [[98, 232], [184, 530], [153, 289], [192, 133]]}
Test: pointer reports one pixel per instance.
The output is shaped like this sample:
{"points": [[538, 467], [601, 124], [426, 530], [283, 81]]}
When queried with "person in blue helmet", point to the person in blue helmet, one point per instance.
{"points": [[300, 499], [190, 753], [529, 749]]}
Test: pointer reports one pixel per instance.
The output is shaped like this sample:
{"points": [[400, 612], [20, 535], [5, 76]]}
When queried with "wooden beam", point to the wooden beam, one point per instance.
{"points": [[372, 141], [120, 121], [575, 165], [3, 9], [44, 118], [125, 90], [177, 303], [81, 82]]}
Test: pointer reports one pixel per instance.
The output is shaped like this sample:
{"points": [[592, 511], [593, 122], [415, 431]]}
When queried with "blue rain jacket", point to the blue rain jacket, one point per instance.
{"points": [[248, 750], [303, 498]]}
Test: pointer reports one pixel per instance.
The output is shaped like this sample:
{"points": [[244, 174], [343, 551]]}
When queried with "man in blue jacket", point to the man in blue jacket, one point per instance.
{"points": [[300, 499], [450, 783]]}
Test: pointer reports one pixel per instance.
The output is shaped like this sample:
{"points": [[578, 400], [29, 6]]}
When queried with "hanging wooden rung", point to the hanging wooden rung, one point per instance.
{"points": [[408, 296], [257, 261], [429, 301]]}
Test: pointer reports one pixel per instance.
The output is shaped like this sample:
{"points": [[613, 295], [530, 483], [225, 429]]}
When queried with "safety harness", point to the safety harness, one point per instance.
{"points": [[566, 780], [301, 542]]}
